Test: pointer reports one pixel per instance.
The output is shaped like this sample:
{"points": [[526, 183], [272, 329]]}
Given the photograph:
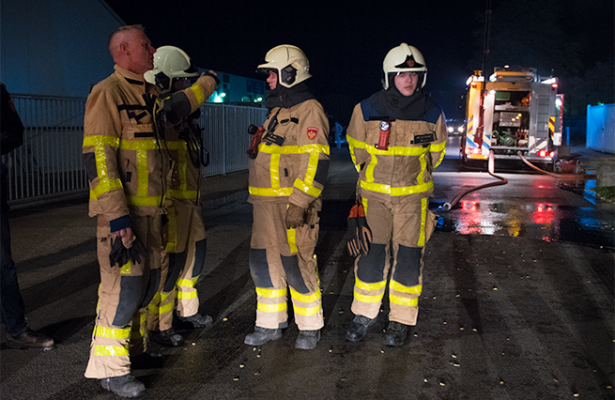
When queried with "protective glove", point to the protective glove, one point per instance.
{"points": [[295, 216], [126, 249], [360, 234]]}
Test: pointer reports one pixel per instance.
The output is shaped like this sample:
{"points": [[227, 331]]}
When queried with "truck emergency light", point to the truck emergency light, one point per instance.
{"points": [[544, 153]]}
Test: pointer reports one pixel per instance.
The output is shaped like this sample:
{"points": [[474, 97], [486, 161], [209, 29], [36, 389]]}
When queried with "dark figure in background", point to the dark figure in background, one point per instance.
{"points": [[19, 335]]}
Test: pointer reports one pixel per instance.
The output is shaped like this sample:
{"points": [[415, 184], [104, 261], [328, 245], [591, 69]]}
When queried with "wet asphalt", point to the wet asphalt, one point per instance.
{"points": [[517, 303]]}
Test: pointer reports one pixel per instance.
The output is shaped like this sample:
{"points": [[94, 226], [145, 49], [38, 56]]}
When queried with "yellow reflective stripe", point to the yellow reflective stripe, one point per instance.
{"points": [[181, 166], [271, 307], [424, 205], [419, 177], [308, 148], [311, 190], [269, 192], [291, 238], [126, 268], [182, 194], [398, 287], [110, 350], [189, 283], [369, 170], [144, 200], [166, 308], [112, 333], [142, 145], [200, 96], [369, 286], [437, 147], [396, 191], [274, 171], [101, 140], [303, 297], [310, 173], [307, 311], [368, 299], [352, 142], [104, 183], [404, 301], [271, 293], [186, 295]]}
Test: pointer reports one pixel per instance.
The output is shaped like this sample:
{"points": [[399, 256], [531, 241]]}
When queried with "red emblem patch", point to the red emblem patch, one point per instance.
{"points": [[312, 132]]}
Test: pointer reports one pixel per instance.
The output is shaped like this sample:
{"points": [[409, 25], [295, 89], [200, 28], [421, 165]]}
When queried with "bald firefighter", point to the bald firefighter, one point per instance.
{"points": [[126, 167], [184, 254], [396, 139], [287, 175]]}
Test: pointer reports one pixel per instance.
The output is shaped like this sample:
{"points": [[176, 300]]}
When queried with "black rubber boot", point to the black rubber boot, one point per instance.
{"points": [[198, 320], [124, 386], [396, 334], [167, 338], [307, 340], [358, 329], [262, 336]]}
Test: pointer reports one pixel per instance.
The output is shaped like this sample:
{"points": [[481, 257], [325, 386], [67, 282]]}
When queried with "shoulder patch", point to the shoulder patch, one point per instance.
{"points": [[312, 132]]}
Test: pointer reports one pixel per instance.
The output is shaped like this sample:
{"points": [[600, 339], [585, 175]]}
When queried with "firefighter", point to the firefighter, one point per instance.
{"points": [[396, 138], [184, 255], [126, 168], [286, 179]]}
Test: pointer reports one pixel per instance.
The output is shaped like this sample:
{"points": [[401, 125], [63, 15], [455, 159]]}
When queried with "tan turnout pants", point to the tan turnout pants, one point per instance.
{"points": [[182, 264], [283, 260], [124, 292], [400, 231]]}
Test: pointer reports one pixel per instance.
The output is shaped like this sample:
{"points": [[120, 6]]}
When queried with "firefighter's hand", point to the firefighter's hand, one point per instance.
{"points": [[295, 216]]}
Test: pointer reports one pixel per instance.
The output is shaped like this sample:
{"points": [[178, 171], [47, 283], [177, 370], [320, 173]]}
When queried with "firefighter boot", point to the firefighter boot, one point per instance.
{"points": [[29, 339], [396, 334], [198, 320], [358, 329], [307, 340], [167, 338], [123, 386], [262, 336]]}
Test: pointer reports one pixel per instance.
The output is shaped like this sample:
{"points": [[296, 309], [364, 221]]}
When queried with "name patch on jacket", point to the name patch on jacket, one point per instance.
{"points": [[312, 132], [270, 139], [426, 138]]}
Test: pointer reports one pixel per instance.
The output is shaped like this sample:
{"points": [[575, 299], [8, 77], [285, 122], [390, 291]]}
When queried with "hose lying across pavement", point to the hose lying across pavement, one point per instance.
{"points": [[575, 177], [503, 181], [491, 168]]}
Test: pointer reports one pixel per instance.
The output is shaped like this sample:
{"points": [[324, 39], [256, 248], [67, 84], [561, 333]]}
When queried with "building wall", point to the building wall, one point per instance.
{"points": [[55, 47]]}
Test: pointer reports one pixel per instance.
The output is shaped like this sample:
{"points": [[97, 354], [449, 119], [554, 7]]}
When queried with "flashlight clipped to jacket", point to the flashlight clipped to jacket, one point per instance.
{"points": [[385, 133]]}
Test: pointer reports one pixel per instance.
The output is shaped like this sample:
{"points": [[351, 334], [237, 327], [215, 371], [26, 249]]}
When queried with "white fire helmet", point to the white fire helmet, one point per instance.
{"points": [[170, 62], [404, 58], [289, 63]]}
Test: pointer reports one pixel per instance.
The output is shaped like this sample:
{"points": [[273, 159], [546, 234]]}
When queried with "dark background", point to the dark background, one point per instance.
{"points": [[347, 41]]}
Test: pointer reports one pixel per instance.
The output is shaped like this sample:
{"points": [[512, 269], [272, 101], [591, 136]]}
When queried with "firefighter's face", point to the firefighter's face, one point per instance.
{"points": [[272, 80], [139, 51], [406, 82]]}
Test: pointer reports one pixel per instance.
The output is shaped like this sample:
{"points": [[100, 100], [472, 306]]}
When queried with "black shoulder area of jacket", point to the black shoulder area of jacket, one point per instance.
{"points": [[370, 113]]}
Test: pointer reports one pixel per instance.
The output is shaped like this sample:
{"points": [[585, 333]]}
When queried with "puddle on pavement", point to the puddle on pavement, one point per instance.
{"points": [[545, 221]]}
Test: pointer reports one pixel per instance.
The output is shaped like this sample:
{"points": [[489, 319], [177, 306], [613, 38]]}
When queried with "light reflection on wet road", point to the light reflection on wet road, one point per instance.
{"points": [[530, 205]]}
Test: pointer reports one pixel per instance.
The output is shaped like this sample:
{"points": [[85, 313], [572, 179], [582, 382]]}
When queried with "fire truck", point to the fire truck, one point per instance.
{"points": [[514, 113]]}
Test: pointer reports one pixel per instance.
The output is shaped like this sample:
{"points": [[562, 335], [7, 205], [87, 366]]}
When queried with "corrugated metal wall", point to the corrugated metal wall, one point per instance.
{"points": [[48, 164], [601, 128]]}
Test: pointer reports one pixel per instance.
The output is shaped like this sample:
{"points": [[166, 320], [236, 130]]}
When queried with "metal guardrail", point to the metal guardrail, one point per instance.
{"points": [[48, 165]]}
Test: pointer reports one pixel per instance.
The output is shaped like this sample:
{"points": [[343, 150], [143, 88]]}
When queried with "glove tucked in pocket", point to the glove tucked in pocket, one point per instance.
{"points": [[360, 234]]}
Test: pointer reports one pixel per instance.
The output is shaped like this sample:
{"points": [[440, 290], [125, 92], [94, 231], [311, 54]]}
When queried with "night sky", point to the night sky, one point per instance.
{"points": [[344, 41]]}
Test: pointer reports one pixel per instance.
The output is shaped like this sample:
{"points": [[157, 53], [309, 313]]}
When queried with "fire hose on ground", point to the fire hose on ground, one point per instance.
{"points": [[491, 168], [504, 181]]}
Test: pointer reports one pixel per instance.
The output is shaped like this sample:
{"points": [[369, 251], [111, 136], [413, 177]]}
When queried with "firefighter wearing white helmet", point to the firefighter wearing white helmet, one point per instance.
{"points": [[176, 112], [290, 63], [396, 138], [288, 170]]}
